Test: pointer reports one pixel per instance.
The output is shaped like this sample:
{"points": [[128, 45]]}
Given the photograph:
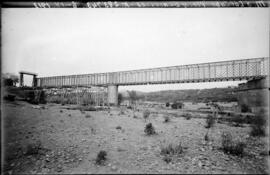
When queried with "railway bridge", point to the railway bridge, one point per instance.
{"points": [[253, 70]]}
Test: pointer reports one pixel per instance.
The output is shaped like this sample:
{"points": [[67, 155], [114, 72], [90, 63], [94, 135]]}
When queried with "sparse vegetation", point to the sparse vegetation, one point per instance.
{"points": [[149, 129], [206, 137], [10, 79], [146, 114], [172, 149], [9, 97], [177, 105], [187, 116], [88, 116], [101, 157], [122, 112], [210, 120], [61, 111], [118, 127], [258, 125], [245, 108], [133, 97], [33, 148], [166, 119], [230, 146], [120, 98], [167, 159]]}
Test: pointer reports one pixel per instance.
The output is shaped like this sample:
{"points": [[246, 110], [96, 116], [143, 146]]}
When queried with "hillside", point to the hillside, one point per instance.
{"points": [[195, 95]]}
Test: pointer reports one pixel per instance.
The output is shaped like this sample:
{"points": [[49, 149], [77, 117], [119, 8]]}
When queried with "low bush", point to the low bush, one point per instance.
{"points": [[237, 120], [88, 116], [245, 108], [229, 146], [166, 119], [61, 111], [167, 159], [33, 148], [206, 138], [258, 125], [118, 127], [187, 116], [9, 97], [89, 108], [146, 114], [101, 157], [172, 149], [122, 112], [210, 120], [149, 129]]}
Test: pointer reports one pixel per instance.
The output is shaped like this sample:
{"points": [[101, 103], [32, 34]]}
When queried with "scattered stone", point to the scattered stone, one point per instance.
{"points": [[114, 168], [120, 149]]}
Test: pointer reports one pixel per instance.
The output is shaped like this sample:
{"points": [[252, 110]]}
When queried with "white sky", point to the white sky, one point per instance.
{"points": [[79, 41]]}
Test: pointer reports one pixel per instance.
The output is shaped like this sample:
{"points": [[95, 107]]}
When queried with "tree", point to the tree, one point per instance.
{"points": [[10, 79], [132, 96], [120, 98]]}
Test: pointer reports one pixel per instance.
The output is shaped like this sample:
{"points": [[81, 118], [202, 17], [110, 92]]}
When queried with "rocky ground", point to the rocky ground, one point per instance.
{"points": [[52, 139]]}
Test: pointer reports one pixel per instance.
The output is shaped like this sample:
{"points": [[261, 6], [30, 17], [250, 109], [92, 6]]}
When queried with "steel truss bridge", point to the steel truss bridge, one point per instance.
{"points": [[244, 69]]}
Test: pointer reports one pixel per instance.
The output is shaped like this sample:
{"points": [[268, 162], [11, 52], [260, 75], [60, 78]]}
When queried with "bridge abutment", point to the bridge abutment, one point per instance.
{"points": [[113, 95], [254, 94]]}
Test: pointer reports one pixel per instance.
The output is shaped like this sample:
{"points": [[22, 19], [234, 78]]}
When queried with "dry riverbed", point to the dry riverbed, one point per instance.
{"points": [[53, 139]]}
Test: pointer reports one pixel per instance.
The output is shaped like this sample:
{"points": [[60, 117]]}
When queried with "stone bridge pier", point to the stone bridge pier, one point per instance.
{"points": [[254, 94], [113, 95]]}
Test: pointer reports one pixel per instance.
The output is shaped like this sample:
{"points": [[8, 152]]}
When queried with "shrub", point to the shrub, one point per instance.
{"points": [[87, 108], [33, 148], [149, 129], [245, 108], [61, 111], [167, 159], [121, 112], [210, 120], [135, 116], [229, 146], [166, 119], [177, 105], [118, 127], [237, 120], [9, 97], [88, 116], [146, 114], [167, 104], [172, 149], [101, 157], [258, 125], [206, 138], [187, 116]]}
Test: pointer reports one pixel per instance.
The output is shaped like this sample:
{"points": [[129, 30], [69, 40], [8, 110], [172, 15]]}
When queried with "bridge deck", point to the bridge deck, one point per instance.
{"points": [[206, 72]]}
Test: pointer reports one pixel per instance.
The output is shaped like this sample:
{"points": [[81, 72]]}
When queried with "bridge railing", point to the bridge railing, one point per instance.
{"points": [[215, 71]]}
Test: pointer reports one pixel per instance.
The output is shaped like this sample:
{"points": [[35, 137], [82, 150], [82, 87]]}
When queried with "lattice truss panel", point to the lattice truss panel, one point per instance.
{"points": [[217, 71], [78, 95]]}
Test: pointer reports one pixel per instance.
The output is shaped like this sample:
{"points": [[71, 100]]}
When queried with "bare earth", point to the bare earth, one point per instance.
{"points": [[70, 142]]}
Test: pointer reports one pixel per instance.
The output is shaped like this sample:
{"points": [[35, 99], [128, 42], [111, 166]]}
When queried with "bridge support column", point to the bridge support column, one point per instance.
{"points": [[113, 95], [254, 94]]}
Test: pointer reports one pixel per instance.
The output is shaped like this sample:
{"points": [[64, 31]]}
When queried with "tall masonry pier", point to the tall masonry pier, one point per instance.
{"points": [[112, 94], [234, 70]]}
